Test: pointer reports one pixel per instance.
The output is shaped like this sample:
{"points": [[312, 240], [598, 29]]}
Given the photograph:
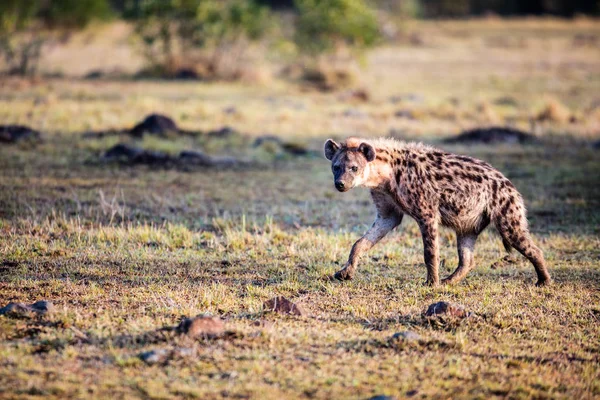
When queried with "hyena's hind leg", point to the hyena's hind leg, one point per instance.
{"points": [[513, 229], [465, 245]]}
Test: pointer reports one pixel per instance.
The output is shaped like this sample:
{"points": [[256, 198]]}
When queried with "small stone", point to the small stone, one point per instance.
{"points": [[157, 356], [162, 356], [282, 305], [22, 310], [202, 327], [407, 336], [443, 308], [261, 323], [42, 307]]}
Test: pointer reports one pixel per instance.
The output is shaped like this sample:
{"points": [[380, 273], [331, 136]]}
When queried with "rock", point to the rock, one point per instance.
{"points": [[492, 135], [23, 310], [196, 158], [202, 326], [18, 133], [158, 356], [282, 305], [162, 356], [404, 114], [443, 308], [42, 307], [155, 124], [224, 132], [122, 151], [407, 336], [136, 155], [261, 323], [186, 74]]}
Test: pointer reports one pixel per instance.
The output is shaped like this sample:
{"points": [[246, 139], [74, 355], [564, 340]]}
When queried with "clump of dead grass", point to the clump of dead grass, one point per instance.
{"points": [[554, 111]]}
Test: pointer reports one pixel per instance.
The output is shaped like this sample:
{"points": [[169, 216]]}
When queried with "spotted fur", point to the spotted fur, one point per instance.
{"points": [[435, 188]]}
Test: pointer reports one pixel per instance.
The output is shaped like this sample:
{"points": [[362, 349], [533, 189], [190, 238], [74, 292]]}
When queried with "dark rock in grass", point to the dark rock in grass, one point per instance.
{"points": [[129, 154], [136, 155], [122, 151], [186, 74], [281, 305], [493, 135], [155, 124], [18, 133], [222, 133], [445, 309], [202, 326], [23, 310]]}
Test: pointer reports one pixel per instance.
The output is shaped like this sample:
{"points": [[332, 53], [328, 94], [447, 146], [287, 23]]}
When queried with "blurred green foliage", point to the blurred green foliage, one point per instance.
{"points": [[323, 25], [171, 28], [27, 25]]}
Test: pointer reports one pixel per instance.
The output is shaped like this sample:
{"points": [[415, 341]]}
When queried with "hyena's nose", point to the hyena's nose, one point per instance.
{"points": [[339, 185]]}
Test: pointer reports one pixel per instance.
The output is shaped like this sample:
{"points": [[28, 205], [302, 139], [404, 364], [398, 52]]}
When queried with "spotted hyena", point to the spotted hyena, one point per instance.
{"points": [[433, 187]]}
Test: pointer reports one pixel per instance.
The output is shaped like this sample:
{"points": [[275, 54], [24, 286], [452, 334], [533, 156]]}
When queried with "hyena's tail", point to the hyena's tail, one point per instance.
{"points": [[507, 246], [511, 223]]}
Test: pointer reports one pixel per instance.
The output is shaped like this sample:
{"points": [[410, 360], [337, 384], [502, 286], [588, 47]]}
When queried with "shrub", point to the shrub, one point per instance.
{"points": [[324, 25], [199, 33], [27, 25]]}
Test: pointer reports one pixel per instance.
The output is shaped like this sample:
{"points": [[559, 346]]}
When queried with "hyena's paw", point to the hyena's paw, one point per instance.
{"points": [[344, 275], [432, 283], [544, 282]]}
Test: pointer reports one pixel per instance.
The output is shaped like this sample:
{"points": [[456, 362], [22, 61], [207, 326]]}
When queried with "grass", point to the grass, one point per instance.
{"points": [[124, 251]]}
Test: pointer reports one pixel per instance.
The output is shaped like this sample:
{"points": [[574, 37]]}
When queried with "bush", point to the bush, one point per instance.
{"points": [[325, 25], [27, 25], [199, 34]]}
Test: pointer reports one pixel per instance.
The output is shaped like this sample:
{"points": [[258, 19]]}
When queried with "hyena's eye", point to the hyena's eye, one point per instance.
{"points": [[354, 169]]}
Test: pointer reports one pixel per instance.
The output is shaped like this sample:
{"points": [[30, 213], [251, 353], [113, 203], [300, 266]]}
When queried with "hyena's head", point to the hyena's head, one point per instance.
{"points": [[349, 162]]}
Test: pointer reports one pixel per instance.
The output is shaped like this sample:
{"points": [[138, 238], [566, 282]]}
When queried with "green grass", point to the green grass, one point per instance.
{"points": [[124, 251]]}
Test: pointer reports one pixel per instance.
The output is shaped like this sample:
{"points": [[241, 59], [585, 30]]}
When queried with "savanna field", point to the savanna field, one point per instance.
{"points": [[124, 250]]}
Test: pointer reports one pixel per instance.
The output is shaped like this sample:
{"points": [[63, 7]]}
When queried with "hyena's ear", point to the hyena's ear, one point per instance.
{"points": [[330, 148], [367, 150]]}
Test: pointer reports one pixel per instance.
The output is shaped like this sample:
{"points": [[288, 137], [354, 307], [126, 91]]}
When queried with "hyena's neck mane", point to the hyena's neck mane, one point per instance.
{"points": [[390, 157]]}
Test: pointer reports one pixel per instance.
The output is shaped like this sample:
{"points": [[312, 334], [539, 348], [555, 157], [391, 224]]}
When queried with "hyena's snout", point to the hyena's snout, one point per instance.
{"points": [[340, 185]]}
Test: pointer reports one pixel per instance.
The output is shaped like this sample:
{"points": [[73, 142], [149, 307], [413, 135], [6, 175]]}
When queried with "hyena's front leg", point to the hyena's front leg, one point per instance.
{"points": [[378, 230], [429, 231]]}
